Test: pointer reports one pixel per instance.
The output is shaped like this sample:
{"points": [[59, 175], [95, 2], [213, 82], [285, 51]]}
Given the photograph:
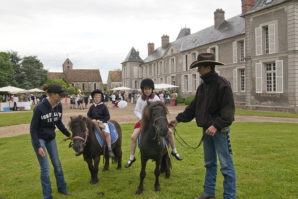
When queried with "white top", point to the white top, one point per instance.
{"points": [[15, 99], [141, 105], [113, 97]]}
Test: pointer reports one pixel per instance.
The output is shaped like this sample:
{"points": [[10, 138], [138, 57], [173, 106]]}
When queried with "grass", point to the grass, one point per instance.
{"points": [[264, 156], [266, 114]]}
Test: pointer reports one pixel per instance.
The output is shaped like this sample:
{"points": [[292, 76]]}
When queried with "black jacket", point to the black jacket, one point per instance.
{"points": [[212, 105], [44, 122], [99, 112]]}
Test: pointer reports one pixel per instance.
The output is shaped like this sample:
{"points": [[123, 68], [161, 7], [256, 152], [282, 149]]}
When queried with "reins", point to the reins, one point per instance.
{"points": [[184, 143]]}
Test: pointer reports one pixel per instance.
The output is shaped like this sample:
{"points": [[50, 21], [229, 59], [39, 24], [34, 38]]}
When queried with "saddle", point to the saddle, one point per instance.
{"points": [[100, 134]]}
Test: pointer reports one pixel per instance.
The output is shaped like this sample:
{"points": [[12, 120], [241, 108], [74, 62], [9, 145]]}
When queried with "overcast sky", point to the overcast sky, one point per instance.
{"points": [[98, 34]]}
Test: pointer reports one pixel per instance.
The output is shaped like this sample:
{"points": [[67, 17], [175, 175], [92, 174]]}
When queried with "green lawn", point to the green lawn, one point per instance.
{"points": [[265, 156], [266, 114], [8, 119]]}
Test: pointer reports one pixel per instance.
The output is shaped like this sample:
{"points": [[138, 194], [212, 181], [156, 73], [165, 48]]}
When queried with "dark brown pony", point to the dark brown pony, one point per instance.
{"points": [[154, 127], [85, 142]]}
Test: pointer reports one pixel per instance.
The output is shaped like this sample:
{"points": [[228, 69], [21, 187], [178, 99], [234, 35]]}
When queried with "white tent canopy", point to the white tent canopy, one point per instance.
{"points": [[12, 90], [121, 89], [164, 86], [35, 90]]}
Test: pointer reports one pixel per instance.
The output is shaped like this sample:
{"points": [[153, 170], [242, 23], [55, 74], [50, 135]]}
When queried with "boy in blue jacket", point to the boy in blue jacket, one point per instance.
{"points": [[99, 113]]}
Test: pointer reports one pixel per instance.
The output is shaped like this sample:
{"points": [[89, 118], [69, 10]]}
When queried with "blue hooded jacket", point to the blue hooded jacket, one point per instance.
{"points": [[44, 122]]}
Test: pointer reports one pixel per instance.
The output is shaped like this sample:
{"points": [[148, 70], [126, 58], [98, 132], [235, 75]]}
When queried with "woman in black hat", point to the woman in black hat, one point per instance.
{"points": [[46, 116], [99, 113], [147, 87], [213, 108]]}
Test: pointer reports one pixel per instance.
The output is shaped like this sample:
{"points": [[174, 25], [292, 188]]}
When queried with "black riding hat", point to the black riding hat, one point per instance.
{"points": [[147, 83], [96, 91]]}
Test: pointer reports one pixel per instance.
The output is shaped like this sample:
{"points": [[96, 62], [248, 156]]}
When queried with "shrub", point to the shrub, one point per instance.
{"points": [[180, 99], [189, 99]]}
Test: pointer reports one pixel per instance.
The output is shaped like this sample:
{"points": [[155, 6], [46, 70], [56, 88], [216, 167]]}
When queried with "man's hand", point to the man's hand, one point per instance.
{"points": [[173, 123], [41, 152], [211, 130]]}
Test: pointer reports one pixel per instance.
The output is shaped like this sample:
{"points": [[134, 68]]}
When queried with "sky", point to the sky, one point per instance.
{"points": [[98, 34]]}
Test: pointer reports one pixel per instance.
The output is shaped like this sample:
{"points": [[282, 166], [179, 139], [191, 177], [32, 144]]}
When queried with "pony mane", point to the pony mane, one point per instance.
{"points": [[75, 121], [147, 113]]}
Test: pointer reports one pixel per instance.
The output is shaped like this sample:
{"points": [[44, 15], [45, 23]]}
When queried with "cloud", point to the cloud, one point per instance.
{"points": [[99, 34]]}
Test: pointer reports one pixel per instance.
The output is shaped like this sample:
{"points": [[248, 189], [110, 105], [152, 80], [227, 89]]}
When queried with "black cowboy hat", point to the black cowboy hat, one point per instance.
{"points": [[96, 91], [56, 88], [205, 59]]}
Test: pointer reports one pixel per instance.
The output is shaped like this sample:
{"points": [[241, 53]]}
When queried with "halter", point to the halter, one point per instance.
{"points": [[81, 138]]}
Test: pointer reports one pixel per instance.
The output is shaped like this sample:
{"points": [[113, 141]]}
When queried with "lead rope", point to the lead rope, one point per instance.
{"points": [[184, 143]]}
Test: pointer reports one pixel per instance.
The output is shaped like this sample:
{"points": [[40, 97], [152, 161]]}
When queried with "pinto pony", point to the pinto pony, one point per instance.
{"points": [[86, 143], [154, 129]]}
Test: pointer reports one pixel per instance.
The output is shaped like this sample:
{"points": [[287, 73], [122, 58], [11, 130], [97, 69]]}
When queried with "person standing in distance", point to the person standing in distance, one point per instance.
{"points": [[213, 108], [46, 116]]}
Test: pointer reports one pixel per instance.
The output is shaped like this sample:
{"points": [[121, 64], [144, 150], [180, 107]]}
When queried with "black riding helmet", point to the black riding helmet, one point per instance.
{"points": [[96, 91], [147, 83]]}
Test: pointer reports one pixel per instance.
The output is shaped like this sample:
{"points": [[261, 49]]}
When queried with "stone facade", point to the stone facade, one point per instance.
{"points": [[84, 79], [259, 49]]}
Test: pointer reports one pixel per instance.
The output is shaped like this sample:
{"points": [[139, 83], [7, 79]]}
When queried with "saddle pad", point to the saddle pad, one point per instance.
{"points": [[113, 134], [164, 140]]}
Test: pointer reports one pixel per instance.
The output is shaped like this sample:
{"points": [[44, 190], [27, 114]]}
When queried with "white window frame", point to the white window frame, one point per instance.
{"points": [[216, 50]]}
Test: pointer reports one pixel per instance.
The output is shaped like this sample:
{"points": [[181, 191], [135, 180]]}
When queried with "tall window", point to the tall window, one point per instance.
{"points": [[173, 80], [266, 39], [270, 77], [241, 50], [172, 65], [242, 80], [213, 50], [83, 86], [193, 57], [94, 86], [186, 62]]}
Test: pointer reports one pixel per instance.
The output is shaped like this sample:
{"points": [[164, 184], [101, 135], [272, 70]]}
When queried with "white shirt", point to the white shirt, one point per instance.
{"points": [[113, 97], [141, 105]]}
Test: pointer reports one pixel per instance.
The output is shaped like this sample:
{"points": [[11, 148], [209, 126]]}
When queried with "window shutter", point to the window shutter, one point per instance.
{"points": [[259, 78], [197, 80], [235, 80], [189, 82], [216, 53], [168, 80], [244, 50], [279, 76], [271, 29], [235, 52], [258, 39], [182, 83], [184, 63]]}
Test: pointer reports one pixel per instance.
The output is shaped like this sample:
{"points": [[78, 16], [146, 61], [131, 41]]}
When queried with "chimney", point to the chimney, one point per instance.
{"points": [[247, 5], [164, 41], [150, 48], [219, 17]]}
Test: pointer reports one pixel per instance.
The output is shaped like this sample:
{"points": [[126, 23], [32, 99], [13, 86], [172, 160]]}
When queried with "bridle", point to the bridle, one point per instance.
{"points": [[156, 127], [81, 138]]}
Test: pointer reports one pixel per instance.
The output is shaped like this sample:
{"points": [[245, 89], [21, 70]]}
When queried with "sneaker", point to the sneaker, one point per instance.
{"points": [[65, 193], [176, 155], [111, 154], [203, 196], [129, 163]]}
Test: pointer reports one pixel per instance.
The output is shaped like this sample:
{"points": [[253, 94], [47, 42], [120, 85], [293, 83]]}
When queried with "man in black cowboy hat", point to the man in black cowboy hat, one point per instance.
{"points": [[214, 109]]}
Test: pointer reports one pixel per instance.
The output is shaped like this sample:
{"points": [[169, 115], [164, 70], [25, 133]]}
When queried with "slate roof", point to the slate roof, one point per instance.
{"points": [[67, 61], [55, 75], [263, 4], [133, 56], [83, 75], [230, 28], [115, 76], [183, 32]]}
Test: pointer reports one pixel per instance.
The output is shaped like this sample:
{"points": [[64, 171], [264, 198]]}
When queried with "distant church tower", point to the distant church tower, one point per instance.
{"points": [[67, 65]]}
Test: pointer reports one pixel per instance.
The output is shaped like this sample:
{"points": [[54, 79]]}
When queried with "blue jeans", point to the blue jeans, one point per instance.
{"points": [[45, 168], [219, 144]]}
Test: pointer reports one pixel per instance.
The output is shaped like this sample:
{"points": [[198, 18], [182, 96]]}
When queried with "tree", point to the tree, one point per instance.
{"points": [[6, 70], [62, 82], [34, 73], [71, 90], [14, 58]]}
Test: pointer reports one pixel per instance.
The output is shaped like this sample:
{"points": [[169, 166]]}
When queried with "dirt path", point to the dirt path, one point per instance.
{"points": [[126, 115]]}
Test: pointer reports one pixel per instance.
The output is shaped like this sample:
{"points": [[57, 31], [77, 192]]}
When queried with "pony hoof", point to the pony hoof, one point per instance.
{"points": [[105, 169], [139, 191], [93, 181], [167, 175], [157, 188], [119, 167]]}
